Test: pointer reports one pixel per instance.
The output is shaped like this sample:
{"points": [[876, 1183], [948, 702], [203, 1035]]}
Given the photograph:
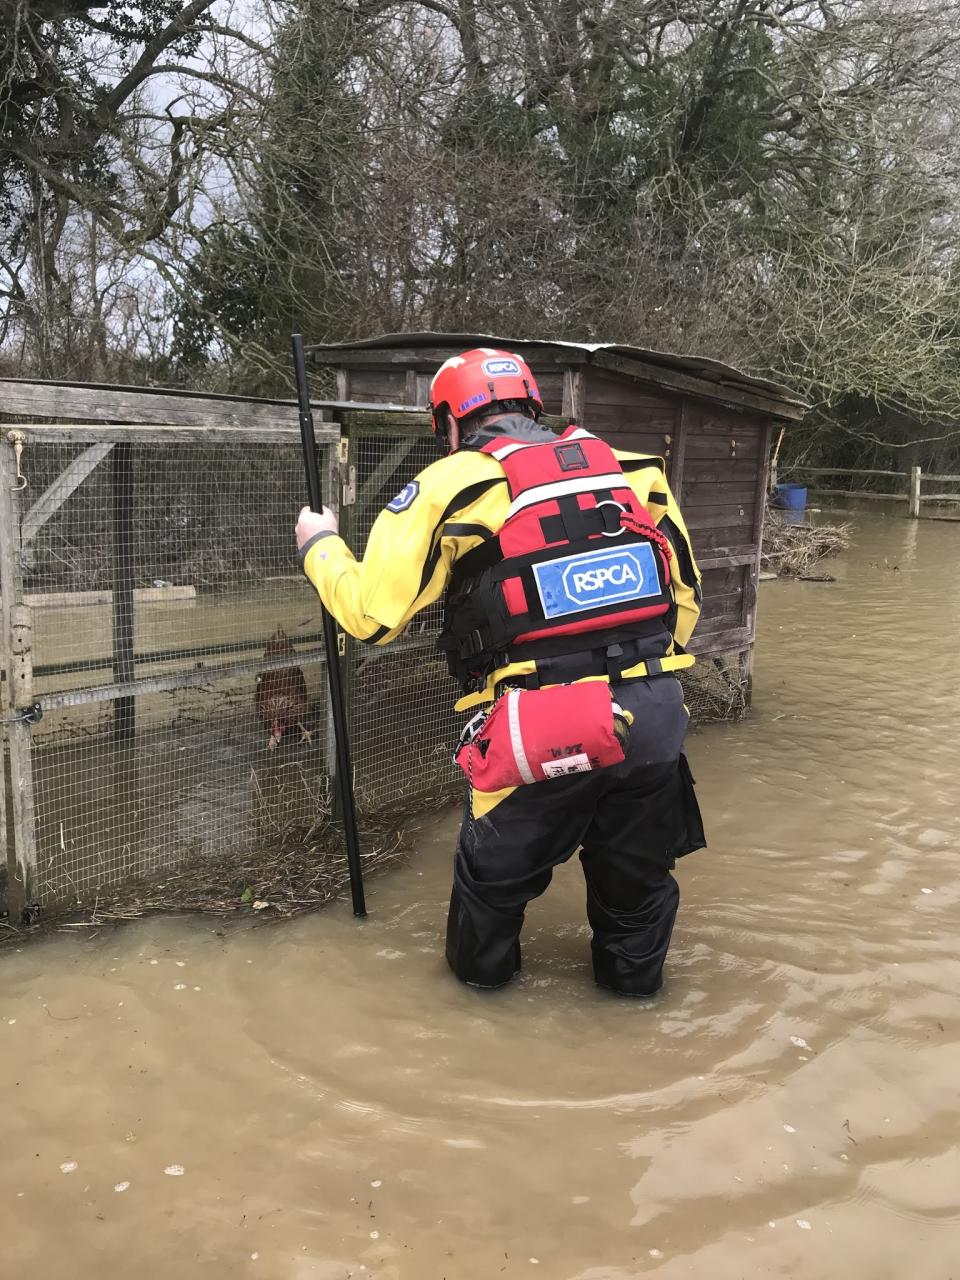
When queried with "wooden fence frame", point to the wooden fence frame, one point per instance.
{"points": [[913, 478]]}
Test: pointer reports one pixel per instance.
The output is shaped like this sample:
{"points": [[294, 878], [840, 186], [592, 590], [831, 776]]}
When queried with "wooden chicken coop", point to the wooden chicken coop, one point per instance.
{"points": [[147, 561], [710, 423]]}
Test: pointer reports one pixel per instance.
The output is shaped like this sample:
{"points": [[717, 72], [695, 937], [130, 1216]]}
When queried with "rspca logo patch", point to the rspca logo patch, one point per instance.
{"points": [[574, 584], [501, 367], [405, 498]]}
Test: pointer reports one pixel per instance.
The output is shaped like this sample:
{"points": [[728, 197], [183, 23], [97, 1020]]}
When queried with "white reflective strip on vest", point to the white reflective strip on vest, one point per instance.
{"points": [[507, 449], [516, 737], [558, 488]]}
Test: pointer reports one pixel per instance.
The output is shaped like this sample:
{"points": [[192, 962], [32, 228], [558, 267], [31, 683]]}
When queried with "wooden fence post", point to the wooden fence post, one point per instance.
{"points": [[914, 477], [16, 740]]}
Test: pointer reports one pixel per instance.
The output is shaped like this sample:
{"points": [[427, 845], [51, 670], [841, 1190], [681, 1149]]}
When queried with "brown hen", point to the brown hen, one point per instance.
{"points": [[281, 697]]}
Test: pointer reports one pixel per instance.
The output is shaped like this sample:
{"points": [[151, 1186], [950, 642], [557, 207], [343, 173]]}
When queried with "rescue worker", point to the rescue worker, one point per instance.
{"points": [[515, 617]]}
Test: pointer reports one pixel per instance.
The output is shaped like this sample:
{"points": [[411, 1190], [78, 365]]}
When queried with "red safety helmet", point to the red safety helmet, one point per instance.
{"points": [[463, 384]]}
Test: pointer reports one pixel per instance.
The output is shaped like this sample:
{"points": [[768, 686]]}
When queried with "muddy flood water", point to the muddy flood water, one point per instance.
{"points": [[320, 1100]]}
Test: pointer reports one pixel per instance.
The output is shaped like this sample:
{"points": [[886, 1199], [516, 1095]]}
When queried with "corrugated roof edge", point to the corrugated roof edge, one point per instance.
{"points": [[701, 366]]}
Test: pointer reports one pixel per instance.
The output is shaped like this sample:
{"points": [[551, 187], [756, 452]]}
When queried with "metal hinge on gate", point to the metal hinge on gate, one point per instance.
{"points": [[348, 474], [26, 715], [342, 643]]}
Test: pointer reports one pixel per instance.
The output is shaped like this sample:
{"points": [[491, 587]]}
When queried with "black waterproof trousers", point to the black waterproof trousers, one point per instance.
{"points": [[630, 822]]}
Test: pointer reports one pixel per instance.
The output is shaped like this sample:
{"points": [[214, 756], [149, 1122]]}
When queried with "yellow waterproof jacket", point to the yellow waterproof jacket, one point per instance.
{"points": [[445, 512]]}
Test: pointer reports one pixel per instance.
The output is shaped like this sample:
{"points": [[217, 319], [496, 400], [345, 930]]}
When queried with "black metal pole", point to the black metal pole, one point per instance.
{"points": [[337, 707]]}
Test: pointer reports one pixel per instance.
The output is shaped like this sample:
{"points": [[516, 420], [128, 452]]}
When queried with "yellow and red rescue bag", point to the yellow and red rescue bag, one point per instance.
{"points": [[532, 735]]}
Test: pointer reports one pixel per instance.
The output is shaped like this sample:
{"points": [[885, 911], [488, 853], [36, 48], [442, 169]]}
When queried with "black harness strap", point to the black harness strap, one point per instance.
{"points": [[593, 520]]}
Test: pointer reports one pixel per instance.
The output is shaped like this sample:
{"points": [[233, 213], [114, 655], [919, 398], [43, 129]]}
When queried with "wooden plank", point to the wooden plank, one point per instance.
{"points": [[722, 393], [676, 474], [630, 421], [633, 431], [721, 470], [715, 420], [181, 653], [386, 386], [723, 580], [22, 850], [926, 477], [859, 493], [551, 384], [850, 471], [713, 493], [623, 393], [398, 421], [192, 679], [723, 562], [729, 640], [716, 448], [386, 422], [940, 497], [87, 403], [429, 358], [165, 433], [753, 579], [706, 454], [722, 614], [726, 516], [56, 494], [724, 545], [141, 595], [572, 405]]}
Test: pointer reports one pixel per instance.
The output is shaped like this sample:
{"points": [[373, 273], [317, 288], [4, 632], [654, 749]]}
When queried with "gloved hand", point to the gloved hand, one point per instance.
{"points": [[309, 524]]}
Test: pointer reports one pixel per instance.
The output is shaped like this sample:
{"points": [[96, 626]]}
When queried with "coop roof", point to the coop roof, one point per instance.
{"points": [[644, 359]]}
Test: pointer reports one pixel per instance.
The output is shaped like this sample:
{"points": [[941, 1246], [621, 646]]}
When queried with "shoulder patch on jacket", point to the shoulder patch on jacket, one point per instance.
{"points": [[405, 498]]}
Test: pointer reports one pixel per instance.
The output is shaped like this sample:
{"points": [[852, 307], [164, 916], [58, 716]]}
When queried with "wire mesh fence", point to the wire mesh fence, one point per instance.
{"points": [[403, 718], [176, 652]]}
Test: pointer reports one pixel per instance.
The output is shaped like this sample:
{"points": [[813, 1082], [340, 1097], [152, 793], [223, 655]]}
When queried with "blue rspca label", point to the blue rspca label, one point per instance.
{"points": [[404, 498], [501, 367], [574, 584]]}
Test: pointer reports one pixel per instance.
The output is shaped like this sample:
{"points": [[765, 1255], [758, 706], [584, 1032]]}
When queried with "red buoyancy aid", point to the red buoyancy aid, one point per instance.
{"points": [[578, 554]]}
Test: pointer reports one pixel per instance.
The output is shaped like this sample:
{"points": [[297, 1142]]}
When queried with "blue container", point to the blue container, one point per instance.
{"points": [[791, 499]]}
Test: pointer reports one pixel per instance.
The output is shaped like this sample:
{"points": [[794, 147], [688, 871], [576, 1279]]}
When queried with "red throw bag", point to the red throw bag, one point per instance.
{"points": [[531, 735]]}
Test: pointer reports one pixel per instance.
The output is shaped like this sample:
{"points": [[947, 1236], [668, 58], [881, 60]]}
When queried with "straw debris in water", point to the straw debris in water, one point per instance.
{"points": [[793, 550]]}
